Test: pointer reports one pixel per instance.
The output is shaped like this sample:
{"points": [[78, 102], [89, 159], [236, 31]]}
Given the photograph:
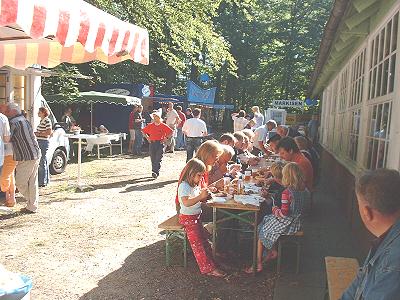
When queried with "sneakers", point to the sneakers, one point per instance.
{"points": [[154, 175]]}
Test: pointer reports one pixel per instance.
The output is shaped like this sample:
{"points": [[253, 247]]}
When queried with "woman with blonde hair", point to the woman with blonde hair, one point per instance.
{"points": [[258, 117], [286, 219], [208, 153]]}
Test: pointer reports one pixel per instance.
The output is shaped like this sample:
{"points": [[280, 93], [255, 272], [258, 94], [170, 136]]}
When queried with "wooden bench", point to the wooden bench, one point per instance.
{"points": [[295, 239], [340, 272], [173, 229]]}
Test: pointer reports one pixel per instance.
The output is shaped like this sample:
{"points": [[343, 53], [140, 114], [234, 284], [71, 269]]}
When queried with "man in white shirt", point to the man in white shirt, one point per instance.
{"points": [[194, 129], [172, 120], [239, 120], [260, 137]]}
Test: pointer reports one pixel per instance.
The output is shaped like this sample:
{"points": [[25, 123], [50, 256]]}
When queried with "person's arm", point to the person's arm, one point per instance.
{"points": [[202, 197], [184, 128], [6, 131], [284, 210], [205, 129]]}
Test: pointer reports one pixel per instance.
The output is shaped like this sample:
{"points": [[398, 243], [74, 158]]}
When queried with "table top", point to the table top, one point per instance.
{"points": [[232, 204], [113, 136]]}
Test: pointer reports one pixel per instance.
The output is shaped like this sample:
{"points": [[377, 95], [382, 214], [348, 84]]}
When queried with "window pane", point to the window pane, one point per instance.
{"points": [[376, 44], [391, 73], [387, 111], [394, 31], [379, 80], [381, 44], [388, 38], [385, 76]]}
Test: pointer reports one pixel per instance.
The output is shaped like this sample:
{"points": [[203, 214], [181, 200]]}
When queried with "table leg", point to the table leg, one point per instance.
{"points": [[214, 234], [255, 243], [120, 142], [79, 161]]}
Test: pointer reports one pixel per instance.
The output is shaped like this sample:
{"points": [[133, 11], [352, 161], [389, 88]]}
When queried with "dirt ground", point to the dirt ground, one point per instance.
{"points": [[105, 244]]}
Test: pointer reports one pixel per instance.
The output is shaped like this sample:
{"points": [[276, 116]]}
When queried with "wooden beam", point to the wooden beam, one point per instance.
{"points": [[339, 46], [360, 5], [361, 30], [358, 18]]}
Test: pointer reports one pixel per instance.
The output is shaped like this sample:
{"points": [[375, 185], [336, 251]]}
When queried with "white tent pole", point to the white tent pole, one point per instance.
{"points": [[91, 117]]}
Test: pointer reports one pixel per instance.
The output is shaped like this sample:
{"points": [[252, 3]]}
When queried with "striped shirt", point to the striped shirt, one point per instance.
{"points": [[44, 125], [23, 140]]}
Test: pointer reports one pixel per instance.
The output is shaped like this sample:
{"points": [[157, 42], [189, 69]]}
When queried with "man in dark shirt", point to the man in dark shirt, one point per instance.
{"points": [[27, 154]]}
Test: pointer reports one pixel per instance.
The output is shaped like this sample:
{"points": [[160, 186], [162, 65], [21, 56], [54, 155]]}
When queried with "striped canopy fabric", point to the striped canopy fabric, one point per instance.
{"points": [[50, 32]]}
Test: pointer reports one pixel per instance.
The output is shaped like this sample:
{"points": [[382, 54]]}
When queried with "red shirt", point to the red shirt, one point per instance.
{"points": [[183, 118], [157, 132], [306, 168]]}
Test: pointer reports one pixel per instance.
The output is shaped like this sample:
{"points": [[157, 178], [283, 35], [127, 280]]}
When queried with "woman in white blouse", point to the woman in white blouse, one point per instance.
{"points": [[43, 133]]}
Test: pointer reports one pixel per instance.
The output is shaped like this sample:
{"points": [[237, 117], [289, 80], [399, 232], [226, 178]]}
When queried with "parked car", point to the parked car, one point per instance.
{"points": [[58, 153]]}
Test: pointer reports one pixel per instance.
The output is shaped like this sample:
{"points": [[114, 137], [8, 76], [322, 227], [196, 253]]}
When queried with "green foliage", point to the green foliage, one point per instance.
{"points": [[254, 50]]}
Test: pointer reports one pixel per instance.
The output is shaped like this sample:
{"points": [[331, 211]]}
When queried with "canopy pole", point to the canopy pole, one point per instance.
{"points": [[91, 117]]}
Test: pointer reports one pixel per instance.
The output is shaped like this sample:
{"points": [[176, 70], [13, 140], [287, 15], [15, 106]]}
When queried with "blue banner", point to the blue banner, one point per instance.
{"points": [[196, 94]]}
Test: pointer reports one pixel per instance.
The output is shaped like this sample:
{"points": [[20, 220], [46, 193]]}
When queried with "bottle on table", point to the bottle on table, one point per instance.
{"points": [[227, 182], [240, 186], [247, 174]]}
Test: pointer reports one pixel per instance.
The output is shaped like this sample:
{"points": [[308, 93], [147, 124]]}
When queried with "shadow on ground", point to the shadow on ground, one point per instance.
{"points": [[145, 276]]}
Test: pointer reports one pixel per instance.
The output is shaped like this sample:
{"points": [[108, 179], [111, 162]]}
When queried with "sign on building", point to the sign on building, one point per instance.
{"points": [[288, 103]]}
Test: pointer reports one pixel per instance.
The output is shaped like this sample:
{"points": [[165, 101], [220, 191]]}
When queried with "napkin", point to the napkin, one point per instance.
{"points": [[249, 199]]}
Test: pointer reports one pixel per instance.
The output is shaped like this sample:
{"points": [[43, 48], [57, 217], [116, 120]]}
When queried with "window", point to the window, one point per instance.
{"points": [[378, 135], [357, 79], [19, 90], [340, 133], [3, 85], [354, 133], [383, 60], [343, 90], [331, 115]]}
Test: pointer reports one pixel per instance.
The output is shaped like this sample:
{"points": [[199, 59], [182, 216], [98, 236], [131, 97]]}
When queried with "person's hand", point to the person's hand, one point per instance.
{"points": [[253, 161], [212, 189], [204, 195]]}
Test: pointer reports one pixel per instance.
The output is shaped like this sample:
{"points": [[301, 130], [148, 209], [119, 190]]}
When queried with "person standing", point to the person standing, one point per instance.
{"points": [[258, 117], [283, 131], [68, 119], [156, 133], [180, 139], [188, 113], [194, 129], [260, 137], [27, 154], [312, 129], [131, 129], [379, 207], [172, 120], [138, 124], [43, 133], [9, 164], [239, 121]]}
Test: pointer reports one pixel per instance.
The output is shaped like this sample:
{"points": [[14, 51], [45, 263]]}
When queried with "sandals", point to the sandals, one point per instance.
{"points": [[272, 255], [250, 270], [216, 273]]}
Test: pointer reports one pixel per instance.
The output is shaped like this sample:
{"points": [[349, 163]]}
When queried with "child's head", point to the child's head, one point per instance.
{"points": [[276, 169], [193, 171], [227, 139], [227, 155], [292, 176]]}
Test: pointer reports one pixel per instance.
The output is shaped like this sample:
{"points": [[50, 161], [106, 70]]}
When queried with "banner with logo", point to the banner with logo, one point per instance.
{"points": [[196, 94]]}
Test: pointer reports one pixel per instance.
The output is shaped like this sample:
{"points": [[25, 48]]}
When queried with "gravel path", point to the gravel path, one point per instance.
{"points": [[105, 244]]}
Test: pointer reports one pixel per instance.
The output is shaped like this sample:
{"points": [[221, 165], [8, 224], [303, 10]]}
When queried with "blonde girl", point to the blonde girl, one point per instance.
{"points": [[191, 195], [285, 219]]}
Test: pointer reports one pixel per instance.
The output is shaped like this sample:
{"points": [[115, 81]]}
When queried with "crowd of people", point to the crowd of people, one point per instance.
{"points": [[289, 184]]}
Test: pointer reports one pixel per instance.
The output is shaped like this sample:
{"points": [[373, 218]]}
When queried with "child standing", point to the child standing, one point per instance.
{"points": [[284, 220], [190, 198]]}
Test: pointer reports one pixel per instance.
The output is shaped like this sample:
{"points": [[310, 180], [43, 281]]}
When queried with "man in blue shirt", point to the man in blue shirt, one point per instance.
{"points": [[378, 195]]}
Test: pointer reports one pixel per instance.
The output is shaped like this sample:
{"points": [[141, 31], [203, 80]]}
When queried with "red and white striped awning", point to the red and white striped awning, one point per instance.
{"points": [[50, 32]]}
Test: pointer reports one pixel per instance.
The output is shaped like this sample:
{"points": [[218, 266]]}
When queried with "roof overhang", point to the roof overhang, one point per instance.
{"points": [[348, 25], [49, 32]]}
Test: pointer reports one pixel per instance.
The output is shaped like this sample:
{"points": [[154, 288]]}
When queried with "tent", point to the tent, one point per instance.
{"points": [[50, 32], [94, 97]]}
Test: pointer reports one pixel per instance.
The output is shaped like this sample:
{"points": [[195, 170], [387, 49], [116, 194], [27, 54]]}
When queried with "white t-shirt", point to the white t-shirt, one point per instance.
{"points": [[260, 135], [4, 131], [185, 190], [170, 118], [194, 127], [239, 123], [258, 119]]}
